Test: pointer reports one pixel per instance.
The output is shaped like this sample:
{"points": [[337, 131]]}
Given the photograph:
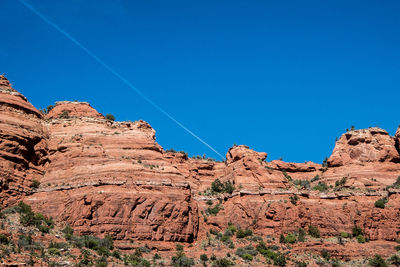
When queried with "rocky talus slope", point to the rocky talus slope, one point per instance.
{"points": [[112, 178]]}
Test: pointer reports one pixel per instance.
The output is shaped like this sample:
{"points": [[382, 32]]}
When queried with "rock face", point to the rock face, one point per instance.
{"points": [[110, 177], [247, 169], [364, 146], [105, 177], [73, 109], [367, 158], [23, 146]]}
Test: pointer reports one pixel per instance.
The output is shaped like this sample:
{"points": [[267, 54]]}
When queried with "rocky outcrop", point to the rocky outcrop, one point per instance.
{"points": [[274, 213], [104, 177], [23, 146], [112, 177], [368, 158], [66, 109], [248, 170], [364, 146]]}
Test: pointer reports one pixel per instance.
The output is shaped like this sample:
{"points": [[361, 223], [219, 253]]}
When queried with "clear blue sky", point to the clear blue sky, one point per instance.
{"points": [[284, 77]]}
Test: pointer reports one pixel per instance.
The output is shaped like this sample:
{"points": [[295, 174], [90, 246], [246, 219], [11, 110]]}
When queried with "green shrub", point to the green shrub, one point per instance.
{"points": [[64, 115], [325, 162], [341, 182], [229, 187], [49, 108], [101, 246], [223, 262], [214, 210], [344, 235], [101, 262], [261, 247], [4, 239], [231, 227], [228, 232], [44, 228], [280, 260], [360, 239], [300, 264], [179, 247], [35, 184], [301, 235], [325, 254], [24, 241], [378, 261], [287, 176], [305, 184], [395, 260], [180, 260], [316, 178], [290, 238], [241, 234], [136, 259], [245, 252], [29, 218], [23, 208], [203, 257], [248, 232], [218, 187], [397, 183], [110, 117], [68, 232], [356, 231], [209, 202], [54, 251], [116, 254], [397, 248], [294, 199], [321, 186], [146, 249], [213, 231], [380, 203], [313, 231], [247, 257]]}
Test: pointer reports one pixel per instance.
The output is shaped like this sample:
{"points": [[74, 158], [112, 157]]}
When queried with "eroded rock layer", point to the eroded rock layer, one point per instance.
{"points": [[23, 146], [110, 177], [105, 177]]}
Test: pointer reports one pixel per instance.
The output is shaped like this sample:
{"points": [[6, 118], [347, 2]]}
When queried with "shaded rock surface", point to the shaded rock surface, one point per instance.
{"points": [[23, 146]]}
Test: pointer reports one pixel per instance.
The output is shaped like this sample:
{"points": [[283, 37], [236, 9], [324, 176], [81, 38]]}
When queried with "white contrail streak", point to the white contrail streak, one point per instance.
{"points": [[119, 76]]}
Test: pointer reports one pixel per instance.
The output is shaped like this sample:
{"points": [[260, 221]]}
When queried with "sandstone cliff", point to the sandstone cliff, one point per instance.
{"points": [[104, 177], [23, 146]]}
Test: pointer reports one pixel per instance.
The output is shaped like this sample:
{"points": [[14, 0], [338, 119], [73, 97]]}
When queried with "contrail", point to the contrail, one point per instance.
{"points": [[119, 76]]}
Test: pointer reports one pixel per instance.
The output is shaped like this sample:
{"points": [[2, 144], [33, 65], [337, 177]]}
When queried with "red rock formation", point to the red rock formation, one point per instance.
{"points": [[248, 170], [22, 144], [73, 109], [112, 177], [367, 158], [105, 177], [364, 146]]}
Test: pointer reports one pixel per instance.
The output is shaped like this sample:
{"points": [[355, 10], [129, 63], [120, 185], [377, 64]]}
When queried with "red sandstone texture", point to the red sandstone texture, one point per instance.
{"points": [[105, 177], [73, 109], [23, 146]]}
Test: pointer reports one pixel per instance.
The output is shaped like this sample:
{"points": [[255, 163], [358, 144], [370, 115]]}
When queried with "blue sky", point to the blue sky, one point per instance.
{"points": [[284, 77]]}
